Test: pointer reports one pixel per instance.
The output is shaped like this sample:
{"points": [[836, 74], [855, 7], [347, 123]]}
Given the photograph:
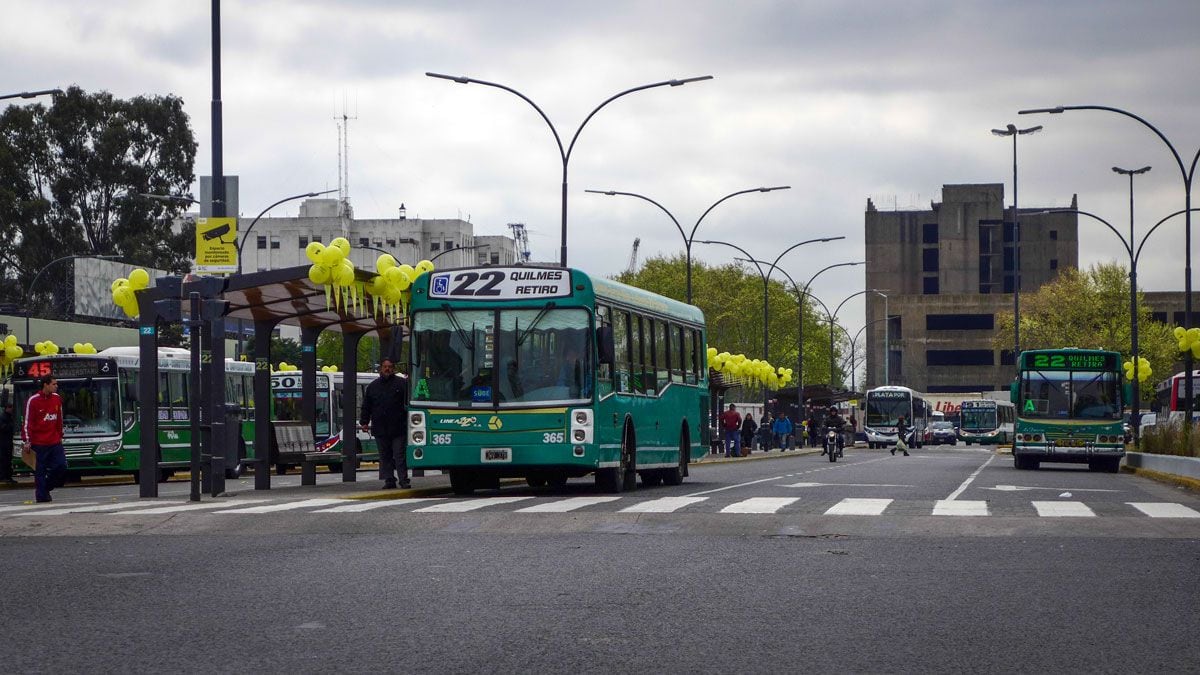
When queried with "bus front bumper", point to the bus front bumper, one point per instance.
{"points": [[1075, 455]]}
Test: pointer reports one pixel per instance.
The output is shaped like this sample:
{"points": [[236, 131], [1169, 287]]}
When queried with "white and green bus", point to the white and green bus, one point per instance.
{"points": [[549, 374], [286, 392], [101, 411], [986, 421], [885, 406], [1069, 408]]}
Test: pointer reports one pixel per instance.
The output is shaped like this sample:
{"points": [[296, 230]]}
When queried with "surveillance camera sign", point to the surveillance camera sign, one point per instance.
{"points": [[216, 245]]}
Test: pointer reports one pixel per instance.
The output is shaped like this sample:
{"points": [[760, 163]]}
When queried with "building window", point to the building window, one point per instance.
{"points": [[1008, 258], [303, 241], [449, 244], [1009, 233], [960, 322], [316, 238], [985, 270], [931, 285], [960, 357], [481, 258], [1053, 263], [929, 260], [262, 241], [1160, 317], [929, 233], [1008, 283], [379, 242], [364, 241], [391, 243], [1054, 235], [894, 327], [274, 243], [895, 366], [495, 259], [434, 246]]}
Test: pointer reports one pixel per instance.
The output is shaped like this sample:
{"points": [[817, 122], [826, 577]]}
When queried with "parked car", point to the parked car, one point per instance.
{"points": [[943, 433], [1147, 420]]}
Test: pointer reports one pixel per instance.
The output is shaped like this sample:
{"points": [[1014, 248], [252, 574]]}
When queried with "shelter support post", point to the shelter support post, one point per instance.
{"points": [[262, 403], [350, 449]]}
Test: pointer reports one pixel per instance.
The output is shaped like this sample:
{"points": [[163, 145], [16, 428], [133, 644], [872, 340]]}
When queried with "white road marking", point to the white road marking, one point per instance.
{"points": [[195, 506], [371, 505], [461, 506], [564, 505], [286, 506], [1025, 488], [859, 507], [731, 487], [98, 508], [1063, 510], [961, 488], [663, 505], [760, 505], [950, 507], [39, 507], [803, 485], [1165, 510]]}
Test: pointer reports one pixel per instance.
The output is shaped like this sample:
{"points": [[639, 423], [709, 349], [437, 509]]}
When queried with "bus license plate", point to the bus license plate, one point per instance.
{"points": [[496, 454]]}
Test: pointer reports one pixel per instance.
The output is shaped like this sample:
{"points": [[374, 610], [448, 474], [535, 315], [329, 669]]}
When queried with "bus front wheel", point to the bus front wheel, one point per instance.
{"points": [[462, 482]]}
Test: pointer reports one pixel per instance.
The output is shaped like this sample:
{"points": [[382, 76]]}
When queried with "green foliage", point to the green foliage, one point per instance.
{"points": [[1170, 439], [282, 349], [329, 352], [731, 297], [66, 173], [1090, 310]]}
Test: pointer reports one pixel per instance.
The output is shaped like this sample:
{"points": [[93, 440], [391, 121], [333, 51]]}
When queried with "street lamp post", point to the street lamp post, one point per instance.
{"points": [[853, 347], [1012, 130], [29, 291], [254, 222], [565, 155], [460, 248], [689, 239], [32, 94], [887, 334], [1133, 311], [800, 378], [1188, 174], [833, 320]]}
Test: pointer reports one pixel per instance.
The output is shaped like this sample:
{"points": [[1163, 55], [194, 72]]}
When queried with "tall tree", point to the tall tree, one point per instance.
{"points": [[731, 297], [69, 175], [1090, 310]]}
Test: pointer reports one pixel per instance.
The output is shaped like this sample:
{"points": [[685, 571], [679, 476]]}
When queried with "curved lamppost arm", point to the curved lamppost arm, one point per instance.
{"points": [[610, 99], [798, 245], [460, 248], [1124, 242], [1149, 232], [731, 195], [246, 234], [470, 80], [1056, 110], [670, 215]]}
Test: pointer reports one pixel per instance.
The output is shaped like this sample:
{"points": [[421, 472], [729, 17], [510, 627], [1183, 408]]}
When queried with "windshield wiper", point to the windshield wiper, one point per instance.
{"points": [[468, 340], [521, 337]]}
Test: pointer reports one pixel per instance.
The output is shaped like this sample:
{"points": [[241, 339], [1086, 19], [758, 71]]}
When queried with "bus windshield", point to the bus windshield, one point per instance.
{"points": [[1083, 395], [885, 411], [90, 406], [543, 355], [979, 418]]}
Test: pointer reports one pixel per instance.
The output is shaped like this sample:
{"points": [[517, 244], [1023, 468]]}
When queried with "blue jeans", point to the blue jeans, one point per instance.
{"points": [[733, 443], [51, 470]]}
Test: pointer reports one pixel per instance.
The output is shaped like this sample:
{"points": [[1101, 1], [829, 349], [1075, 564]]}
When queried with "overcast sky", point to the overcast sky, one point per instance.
{"points": [[841, 100]]}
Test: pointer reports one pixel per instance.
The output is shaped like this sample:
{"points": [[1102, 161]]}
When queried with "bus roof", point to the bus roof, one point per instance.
{"points": [[617, 292]]}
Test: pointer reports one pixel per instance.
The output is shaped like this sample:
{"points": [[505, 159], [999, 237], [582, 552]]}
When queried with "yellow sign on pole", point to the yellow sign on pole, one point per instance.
{"points": [[216, 245]]}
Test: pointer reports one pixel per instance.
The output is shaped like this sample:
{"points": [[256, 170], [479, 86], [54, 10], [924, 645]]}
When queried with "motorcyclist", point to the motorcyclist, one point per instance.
{"points": [[834, 421]]}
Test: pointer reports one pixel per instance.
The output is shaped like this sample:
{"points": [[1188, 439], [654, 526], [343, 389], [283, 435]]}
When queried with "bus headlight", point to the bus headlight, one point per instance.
{"points": [[108, 447], [416, 420], [416, 437], [581, 425]]}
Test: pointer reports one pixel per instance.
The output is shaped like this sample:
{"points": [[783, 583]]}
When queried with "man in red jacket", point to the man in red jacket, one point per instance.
{"points": [[731, 422], [42, 431]]}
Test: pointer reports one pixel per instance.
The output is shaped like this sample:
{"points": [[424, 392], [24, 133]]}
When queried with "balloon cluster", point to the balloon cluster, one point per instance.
{"points": [[124, 290], [1144, 370], [46, 348], [1189, 339], [738, 366], [392, 289], [83, 348], [331, 268], [9, 351], [329, 369], [285, 367]]}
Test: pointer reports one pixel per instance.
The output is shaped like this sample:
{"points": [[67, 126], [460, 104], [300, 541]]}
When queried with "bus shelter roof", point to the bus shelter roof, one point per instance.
{"points": [[289, 297]]}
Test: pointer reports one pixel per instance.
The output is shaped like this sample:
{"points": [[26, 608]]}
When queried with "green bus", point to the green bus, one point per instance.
{"points": [[986, 421], [1069, 404], [286, 396], [549, 374], [101, 429]]}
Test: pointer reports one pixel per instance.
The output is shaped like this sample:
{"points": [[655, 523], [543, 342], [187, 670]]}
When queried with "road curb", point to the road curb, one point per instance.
{"points": [[1171, 478]]}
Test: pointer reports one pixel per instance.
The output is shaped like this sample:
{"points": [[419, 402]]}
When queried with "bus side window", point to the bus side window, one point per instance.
{"points": [[678, 362], [623, 366], [661, 363]]}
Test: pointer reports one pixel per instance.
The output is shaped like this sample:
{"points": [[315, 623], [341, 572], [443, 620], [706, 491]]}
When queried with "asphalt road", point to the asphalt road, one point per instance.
{"points": [[792, 564]]}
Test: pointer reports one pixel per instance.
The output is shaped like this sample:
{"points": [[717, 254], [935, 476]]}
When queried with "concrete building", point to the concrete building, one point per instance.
{"points": [[280, 242], [947, 272]]}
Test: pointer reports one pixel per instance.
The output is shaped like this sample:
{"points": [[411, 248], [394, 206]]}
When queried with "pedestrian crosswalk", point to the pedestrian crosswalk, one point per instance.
{"points": [[625, 504]]}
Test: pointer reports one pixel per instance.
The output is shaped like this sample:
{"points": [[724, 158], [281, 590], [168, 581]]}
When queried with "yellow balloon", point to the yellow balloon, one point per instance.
{"points": [[408, 271], [1179, 332], [318, 274], [402, 283], [13, 352], [384, 262], [313, 252], [139, 279], [342, 244], [10, 340], [123, 296], [424, 266], [77, 347], [343, 274], [118, 283], [331, 256]]}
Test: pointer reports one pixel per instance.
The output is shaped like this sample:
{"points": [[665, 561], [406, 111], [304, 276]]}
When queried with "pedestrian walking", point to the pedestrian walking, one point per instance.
{"points": [[7, 427], [902, 430], [42, 432], [749, 426], [814, 428], [781, 428], [731, 423], [385, 413]]}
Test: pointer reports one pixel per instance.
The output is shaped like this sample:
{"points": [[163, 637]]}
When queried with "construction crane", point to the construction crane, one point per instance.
{"points": [[637, 241], [521, 238]]}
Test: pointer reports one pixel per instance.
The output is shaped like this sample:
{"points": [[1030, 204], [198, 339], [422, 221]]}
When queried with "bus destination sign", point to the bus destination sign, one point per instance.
{"points": [[66, 368], [501, 283], [978, 403], [1071, 360], [889, 394]]}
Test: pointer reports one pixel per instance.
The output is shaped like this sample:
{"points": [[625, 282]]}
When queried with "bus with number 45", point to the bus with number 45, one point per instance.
{"points": [[549, 374], [1069, 408]]}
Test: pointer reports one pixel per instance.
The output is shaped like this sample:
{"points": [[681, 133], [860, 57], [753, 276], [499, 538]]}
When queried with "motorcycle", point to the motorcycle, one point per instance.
{"points": [[833, 445]]}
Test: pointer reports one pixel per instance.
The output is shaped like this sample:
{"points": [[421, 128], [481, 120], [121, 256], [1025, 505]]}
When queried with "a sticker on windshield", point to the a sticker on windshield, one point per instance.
{"points": [[481, 394], [422, 390]]}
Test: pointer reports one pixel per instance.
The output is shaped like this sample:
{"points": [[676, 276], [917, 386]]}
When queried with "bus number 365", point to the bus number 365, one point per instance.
{"points": [[553, 437], [440, 439]]}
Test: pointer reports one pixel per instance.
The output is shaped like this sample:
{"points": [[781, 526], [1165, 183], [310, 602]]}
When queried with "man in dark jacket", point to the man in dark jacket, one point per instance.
{"points": [[385, 410]]}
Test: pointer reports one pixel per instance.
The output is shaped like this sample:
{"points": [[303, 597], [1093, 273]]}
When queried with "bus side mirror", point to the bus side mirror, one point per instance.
{"points": [[1014, 392], [1127, 393], [604, 344]]}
